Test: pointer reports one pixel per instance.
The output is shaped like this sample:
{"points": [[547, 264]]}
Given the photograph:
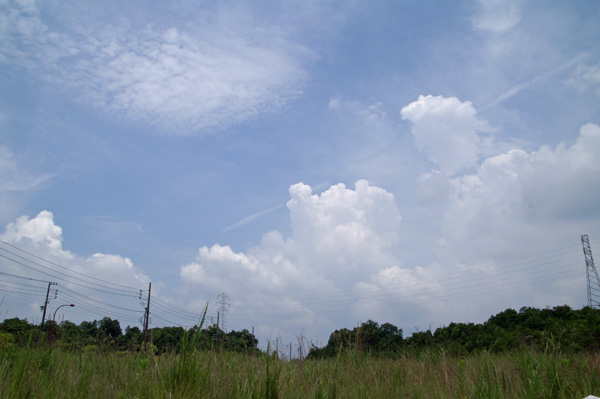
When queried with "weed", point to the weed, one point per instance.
{"points": [[37, 371]]}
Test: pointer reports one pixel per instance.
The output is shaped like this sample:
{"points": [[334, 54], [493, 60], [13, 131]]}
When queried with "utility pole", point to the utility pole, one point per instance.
{"points": [[593, 281], [45, 305], [147, 318]]}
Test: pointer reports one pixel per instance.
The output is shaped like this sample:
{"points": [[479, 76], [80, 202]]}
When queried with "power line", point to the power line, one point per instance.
{"points": [[184, 314], [453, 295], [173, 313], [24, 278], [440, 277], [21, 284], [19, 289], [84, 304], [172, 323], [341, 304], [448, 280], [474, 281], [64, 274], [63, 267], [96, 300], [19, 296]]}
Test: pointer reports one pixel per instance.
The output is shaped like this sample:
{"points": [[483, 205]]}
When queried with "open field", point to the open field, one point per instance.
{"points": [[40, 372]]}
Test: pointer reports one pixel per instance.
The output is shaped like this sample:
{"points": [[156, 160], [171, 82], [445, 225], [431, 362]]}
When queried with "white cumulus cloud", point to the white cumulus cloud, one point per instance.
{"points": [[41, 230], [339, 235], [347, 230], [339, 238], [518, 202], [100, 285], [517, 193], [446, 130]]}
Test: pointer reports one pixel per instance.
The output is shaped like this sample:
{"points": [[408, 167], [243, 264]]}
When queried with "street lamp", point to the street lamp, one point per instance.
{"points": [[54, 322]]}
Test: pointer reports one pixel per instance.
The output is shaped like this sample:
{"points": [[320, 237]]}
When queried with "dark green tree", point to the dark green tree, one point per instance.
{"points": [[131, 340], [89, 332], [167, 338], [110, 328], [21, 330], [241, 341], [16, 326], [368, 337]]}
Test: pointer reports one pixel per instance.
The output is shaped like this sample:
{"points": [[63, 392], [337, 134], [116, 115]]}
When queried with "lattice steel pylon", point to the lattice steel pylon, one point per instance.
{"points": [[593, 281], [223, 302]]}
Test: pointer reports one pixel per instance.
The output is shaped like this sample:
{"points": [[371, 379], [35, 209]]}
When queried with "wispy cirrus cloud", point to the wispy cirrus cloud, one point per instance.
{"points": [[180, 79], [585, 77], [497, 16], [251, 218], [582, 77], [18, 179], [15, 176]]}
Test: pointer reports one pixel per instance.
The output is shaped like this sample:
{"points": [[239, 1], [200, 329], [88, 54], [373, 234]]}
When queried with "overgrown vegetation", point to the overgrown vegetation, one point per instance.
{"points": [[561, 327], [42, 372], [106, 334], [550, 353]]}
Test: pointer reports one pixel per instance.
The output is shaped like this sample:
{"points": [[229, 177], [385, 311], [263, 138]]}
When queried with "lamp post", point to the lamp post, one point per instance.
{"points": [[54, 322]]}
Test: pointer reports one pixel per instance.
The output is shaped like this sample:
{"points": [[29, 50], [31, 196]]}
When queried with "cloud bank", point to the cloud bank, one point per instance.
{"points": [[340, 265], [518, 193], [343, 263]]}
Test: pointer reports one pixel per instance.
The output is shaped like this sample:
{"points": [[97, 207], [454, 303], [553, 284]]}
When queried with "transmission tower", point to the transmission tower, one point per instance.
{"points": [[223, 302], [593, 281]]}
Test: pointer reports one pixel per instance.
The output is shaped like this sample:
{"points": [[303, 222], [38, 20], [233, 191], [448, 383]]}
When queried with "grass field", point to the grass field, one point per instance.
{"points": [[39, 372]]}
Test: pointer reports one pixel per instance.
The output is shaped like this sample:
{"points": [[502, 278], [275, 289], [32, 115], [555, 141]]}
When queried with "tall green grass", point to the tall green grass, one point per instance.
{"points": [[42, 372]]}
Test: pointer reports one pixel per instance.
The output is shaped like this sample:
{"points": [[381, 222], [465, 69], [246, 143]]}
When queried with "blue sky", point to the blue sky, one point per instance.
{"points": [[323, 163]]}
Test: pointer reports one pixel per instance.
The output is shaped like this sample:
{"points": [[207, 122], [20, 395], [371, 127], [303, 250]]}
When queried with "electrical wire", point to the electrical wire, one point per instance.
{"points": [[100, 311], [65, 268], [184, 314], [452, 295], [534, 269], [129, 293], [94, 300], [25, 278], [172, 323], [441, 277], [21, 284], [445, 281]]}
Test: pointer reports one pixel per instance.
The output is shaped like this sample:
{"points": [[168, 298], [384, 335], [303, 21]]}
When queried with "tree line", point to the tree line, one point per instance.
{"points": [[106, 334], [560, 328]]}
